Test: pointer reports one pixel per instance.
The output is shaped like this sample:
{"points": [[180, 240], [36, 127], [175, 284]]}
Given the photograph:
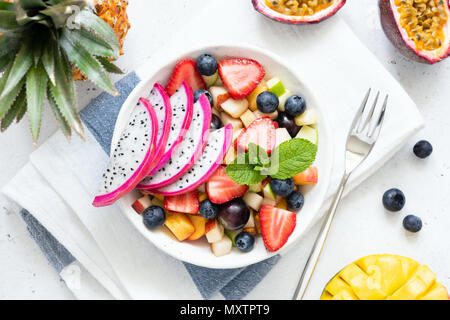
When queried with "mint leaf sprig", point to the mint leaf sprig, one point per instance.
{"points": [[288, 159]]}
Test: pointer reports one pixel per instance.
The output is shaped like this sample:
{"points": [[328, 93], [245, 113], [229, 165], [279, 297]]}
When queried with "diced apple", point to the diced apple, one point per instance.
{"points": [[211, 80], [180, 225], [230, 156], [255, 93], [308, 133], [199, 223], [282, 100], [307, 118], [219, 95], [214, 231], [276, 86], [221, 247], [260, 114], [235, 108], [269, 202], [255, 187], [281, 135], [268, 193], [309, 176], [231, 234], [141, 204], [235, 123], [253, 200], [251, 220], [247, 117], [236, 134]]}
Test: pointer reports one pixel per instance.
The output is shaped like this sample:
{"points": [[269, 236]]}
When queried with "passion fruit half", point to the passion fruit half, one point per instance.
{"points": [[298, 11], [420, 29]]}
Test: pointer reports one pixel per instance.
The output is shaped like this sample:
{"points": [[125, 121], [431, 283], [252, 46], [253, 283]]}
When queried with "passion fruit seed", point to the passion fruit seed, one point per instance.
{"points": [[424, 21], [299, 7]]}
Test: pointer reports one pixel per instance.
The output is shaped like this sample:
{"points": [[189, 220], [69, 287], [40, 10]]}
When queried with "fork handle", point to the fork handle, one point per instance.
{"points": [[319, 244]]}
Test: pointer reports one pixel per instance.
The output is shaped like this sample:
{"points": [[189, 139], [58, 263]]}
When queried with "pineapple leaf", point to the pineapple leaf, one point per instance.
{"points": [[7, 101], [8, 21], [4, 62], [65, 128], [109, 66], [87, 64], [6, 6], [32, 4], [8, 45], [59, 13], [36, 87], [91, 42], [22, 110], [48, 59], [18, 105], [22, 63], [64, 95], [90, 21]]}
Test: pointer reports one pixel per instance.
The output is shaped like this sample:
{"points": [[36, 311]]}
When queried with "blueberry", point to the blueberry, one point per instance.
{"points": [[216, 123], [198, 94], [206, 65], [267, 102], [282, 187], [412, 223], [295, 201], [287, 122], [208, 209], [423, 149], [295, 105], [244, 241], [394, 200], [154, 217]]}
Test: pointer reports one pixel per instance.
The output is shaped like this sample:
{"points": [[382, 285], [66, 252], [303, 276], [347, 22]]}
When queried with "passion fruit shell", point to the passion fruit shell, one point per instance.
{"points": [[409, 43], [318, 16]]}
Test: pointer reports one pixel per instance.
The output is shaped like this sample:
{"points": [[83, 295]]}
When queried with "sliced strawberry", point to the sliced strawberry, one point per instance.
{"points": [[185, 70], [276, 226], [240, 76], [185, 203], [260, 132], [221, 188]]}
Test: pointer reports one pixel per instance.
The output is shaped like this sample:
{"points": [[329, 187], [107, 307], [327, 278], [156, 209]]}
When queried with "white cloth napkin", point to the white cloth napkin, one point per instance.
{"points": [[61, 178]]}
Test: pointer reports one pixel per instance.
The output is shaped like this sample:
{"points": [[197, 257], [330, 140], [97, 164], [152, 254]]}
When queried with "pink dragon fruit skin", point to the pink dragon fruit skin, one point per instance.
{"points": [[127, 142], [218, 143], [161, 104], [183, 159], [182, 98]]}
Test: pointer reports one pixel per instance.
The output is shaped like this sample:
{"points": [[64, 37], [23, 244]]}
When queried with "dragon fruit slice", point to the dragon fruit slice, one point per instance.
{"points": [[161, 104], [218, 143], [181, 102], [131, 157], [188, 151]]}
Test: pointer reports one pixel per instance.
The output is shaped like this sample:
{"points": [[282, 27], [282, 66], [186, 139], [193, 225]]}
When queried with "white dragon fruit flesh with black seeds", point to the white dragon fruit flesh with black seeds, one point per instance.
{"points": [[188, 151], [181, 103], [218, 143], [131, 157]]}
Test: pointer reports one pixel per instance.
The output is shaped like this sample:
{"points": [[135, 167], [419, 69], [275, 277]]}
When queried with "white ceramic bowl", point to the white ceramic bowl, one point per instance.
{"points": [[198, 252]]}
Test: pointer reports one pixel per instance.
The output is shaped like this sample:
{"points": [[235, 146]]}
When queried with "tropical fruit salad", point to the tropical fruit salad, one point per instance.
{"points": [[221, 153]]}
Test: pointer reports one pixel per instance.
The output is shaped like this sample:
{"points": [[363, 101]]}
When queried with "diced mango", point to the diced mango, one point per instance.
{"points": [[180, 225], [199, 223], [255, 93]]}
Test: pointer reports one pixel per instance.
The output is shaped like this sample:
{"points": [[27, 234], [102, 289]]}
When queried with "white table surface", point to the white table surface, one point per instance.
{"points": [[362, 226]]}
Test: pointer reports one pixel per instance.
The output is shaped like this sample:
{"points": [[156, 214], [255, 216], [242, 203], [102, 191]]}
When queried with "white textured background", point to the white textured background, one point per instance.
{"points": [[362, 225]]}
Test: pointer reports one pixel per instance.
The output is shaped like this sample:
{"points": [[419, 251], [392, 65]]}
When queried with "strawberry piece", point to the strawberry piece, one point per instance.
{"points": [[221, 188], [185, 203], [240, 76], [185, 70], [276, 226], [260, 132]]}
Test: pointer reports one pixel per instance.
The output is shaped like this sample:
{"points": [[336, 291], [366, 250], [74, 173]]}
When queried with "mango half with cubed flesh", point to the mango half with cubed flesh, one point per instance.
{"points": [[385, 277], [420, 29]]}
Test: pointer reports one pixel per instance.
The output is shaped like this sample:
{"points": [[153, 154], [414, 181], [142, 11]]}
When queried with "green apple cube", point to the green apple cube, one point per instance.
{"points": [[283, 99], [268, 193], [307, 118], [308, 133], [211, 80], [276, 87]]}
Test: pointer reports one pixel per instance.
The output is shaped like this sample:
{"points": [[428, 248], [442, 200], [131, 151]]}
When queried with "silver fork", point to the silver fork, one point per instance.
{"points": [[361, 139]]}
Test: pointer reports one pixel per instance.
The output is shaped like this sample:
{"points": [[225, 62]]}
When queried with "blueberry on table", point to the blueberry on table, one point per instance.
{"points": [[198, 94], [423, 149], [206, 65], [394, 200], [216, 123], [234, 214], [244, 241], [208, 209], [412, 223], [295, 105], [287, 122], [295, 201], [154, 217], [267, 102], [282, 187]]}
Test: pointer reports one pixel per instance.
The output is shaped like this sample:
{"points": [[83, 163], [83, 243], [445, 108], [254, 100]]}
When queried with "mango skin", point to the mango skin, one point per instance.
{"points": [[385, 277]]}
